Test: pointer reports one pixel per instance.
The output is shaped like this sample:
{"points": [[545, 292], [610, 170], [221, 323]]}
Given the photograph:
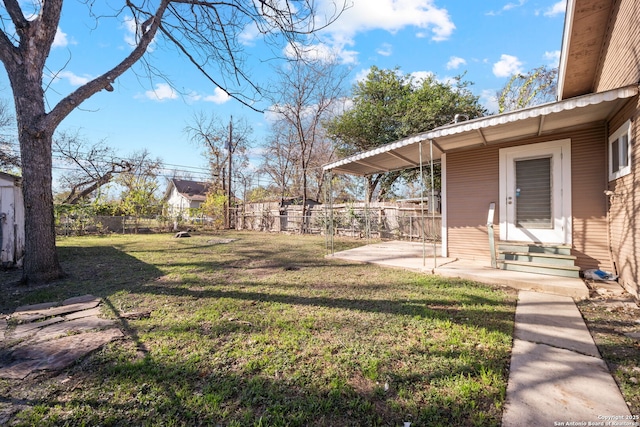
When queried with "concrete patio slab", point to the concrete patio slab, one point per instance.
{"points": [[398, 254], [413, 256]]}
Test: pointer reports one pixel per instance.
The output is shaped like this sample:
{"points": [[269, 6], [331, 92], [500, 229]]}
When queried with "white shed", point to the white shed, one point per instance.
{"points": [[11, 221]]}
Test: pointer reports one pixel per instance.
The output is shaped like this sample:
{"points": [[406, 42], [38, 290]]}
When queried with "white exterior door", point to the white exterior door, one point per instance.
{"points": [[535, 193]]}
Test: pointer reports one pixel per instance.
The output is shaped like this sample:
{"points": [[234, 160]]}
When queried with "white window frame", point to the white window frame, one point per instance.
{"points": [[623, 130]]}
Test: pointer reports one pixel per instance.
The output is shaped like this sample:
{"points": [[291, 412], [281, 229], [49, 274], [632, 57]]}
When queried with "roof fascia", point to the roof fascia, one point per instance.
{"points": [[566, 44]]}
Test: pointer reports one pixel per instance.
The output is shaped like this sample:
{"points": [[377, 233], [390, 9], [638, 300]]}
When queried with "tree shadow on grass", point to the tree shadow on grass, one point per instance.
{"points": [[189, 393], [149, 392]]}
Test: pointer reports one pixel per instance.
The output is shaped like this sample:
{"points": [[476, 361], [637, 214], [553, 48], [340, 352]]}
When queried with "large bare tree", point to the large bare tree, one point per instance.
{"points": [[93, 165], [280, 158], [205, 32], [226, 144], [309, 92]]}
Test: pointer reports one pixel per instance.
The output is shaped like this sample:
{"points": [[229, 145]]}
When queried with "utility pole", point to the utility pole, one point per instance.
{"points": [[230, 148]]}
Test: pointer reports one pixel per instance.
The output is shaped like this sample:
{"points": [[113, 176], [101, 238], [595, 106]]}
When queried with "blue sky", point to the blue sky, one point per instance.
{"points": [[488, 40]]}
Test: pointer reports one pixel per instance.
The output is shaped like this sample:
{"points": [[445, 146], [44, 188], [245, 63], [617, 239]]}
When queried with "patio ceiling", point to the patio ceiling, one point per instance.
{"points": [[525, 123]]}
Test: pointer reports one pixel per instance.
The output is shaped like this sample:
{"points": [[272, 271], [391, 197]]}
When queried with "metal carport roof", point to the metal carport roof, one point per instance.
{"points": [[528, 122]]}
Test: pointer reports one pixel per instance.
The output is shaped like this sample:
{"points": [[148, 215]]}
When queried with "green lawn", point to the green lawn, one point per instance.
{"points": [[263, 330]]}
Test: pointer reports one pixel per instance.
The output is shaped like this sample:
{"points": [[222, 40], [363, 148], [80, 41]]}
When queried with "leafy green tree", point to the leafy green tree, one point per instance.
{"points": [[531, 88], [389, 105], [214, 207]]}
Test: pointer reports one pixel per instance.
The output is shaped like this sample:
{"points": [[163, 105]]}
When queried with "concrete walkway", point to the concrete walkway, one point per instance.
{"points": [[557, 377]]}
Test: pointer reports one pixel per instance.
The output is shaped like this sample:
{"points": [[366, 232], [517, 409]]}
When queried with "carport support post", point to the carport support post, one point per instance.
{"points": [[424, 249], [329, 207], [367, 222], [431, 207]]}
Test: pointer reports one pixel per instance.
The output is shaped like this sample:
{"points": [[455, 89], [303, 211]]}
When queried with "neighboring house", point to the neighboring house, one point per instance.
{"points": [[183, 195], [564, 176], [11, 221]]}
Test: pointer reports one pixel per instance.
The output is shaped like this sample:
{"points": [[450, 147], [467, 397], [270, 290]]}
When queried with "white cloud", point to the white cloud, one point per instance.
{"points": [[219, 96], [362, 75], [507, 66], [385, 50], [391, 16], [131, 33], [507, 7], [60, 39], [129, 25], [510, 6], [557, 9], [387, 15], [455, 62], [249, 34], [321, 52], [74, 79], [162, 92], [420, 76], [489, 100], [553, 57]]}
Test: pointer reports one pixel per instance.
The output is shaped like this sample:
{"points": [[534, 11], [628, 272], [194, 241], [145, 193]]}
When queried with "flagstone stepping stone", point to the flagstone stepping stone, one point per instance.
{"points": [[25, 329], [51, 336], [72, 326], [35, 314], [36, 307], [84, 313], [56, 354]]}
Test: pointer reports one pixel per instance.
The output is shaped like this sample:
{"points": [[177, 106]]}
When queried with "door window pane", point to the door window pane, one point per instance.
{"points": [[533, 193]]}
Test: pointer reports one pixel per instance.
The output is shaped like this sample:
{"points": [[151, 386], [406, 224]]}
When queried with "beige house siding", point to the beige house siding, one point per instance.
{"points": [[473, 182], [619, 63], [589, 204], [625, 208]]}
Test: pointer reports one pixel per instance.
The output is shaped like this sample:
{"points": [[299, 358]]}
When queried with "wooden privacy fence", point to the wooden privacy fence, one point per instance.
{"points": [[360, 220]]}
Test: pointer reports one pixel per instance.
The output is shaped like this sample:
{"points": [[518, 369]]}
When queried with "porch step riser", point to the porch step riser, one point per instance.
{"points": [[548, 270], [552, 250], [532, 257]]}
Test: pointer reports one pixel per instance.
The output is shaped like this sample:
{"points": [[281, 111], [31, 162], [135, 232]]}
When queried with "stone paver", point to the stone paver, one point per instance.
{"points": [[36, 307], [84, 313], [72, 326], [26, 329], [51, 336], [55, 311]]}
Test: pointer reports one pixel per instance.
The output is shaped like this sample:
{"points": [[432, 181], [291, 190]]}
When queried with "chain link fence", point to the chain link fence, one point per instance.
{"points": [[359, 220]]}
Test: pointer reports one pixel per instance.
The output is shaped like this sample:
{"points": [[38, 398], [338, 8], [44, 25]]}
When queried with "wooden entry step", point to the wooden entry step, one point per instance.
{"points": [[554, 260]]}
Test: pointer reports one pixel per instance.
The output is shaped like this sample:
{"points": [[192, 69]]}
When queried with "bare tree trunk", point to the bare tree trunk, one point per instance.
{"points": [[303, 224], [41, 260]]}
